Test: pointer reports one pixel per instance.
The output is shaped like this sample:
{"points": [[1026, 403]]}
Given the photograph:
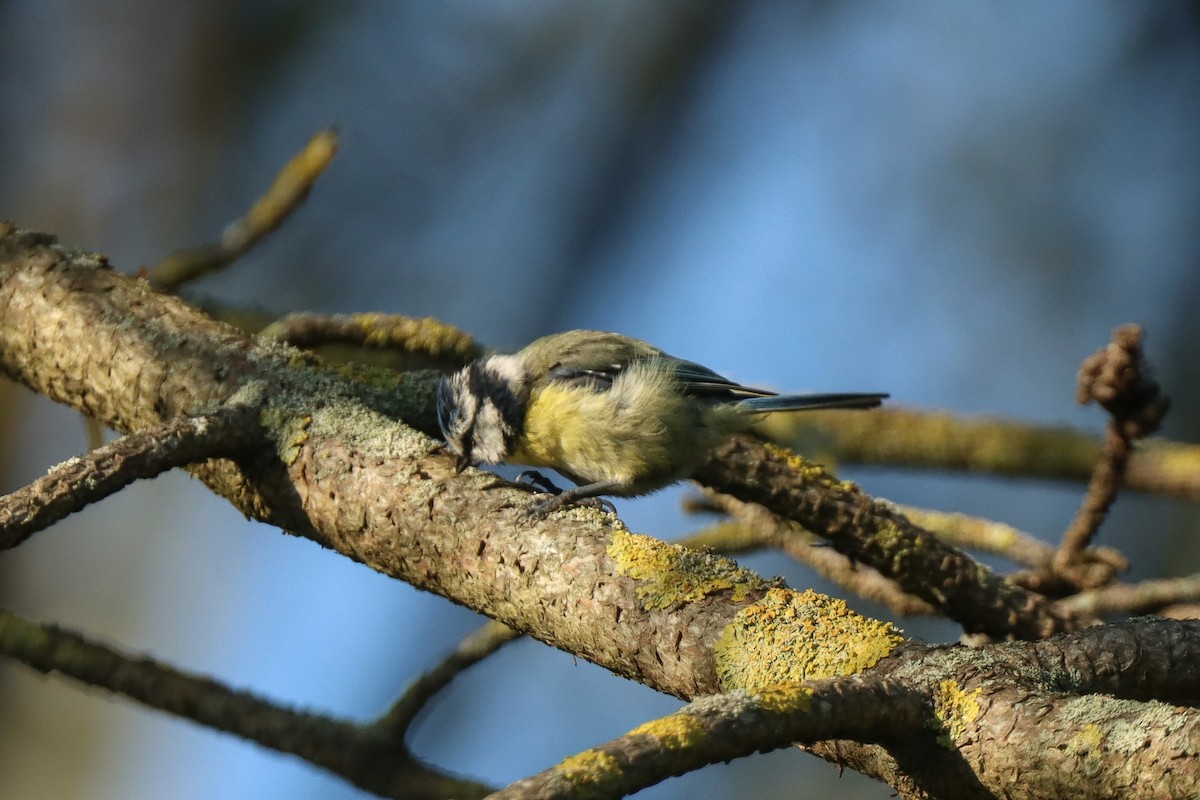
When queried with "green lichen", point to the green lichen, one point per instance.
{"points": [[669, 575], [789, 637]]}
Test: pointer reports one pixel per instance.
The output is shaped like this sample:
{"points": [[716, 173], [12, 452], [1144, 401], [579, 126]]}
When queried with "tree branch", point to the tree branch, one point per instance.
{"points": [[352, 751], [340, 467], [916, 439], [70, 486], [871, 532], [724, 727], [481, 643], [289, 189]]}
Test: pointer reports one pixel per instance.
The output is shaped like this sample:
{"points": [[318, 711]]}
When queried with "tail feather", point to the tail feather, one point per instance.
{"points": [[808, 402]]}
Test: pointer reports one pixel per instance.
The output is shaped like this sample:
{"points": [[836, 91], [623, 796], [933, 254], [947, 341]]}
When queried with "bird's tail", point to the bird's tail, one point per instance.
{"points": [[806, 402]]}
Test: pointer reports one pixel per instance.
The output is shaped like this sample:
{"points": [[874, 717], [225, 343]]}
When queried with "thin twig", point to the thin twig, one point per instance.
{"points": [[1144, 597], [478, 645], [1117, 378], [76, 483], [998, 538], [287, 192]]}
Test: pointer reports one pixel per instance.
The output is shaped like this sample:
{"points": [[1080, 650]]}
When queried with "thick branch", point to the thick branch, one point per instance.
{"points": [[343, 471]]}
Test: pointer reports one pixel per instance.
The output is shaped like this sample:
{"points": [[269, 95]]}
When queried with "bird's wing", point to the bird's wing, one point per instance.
{"points": [[693, 379], [697, 379], [595, 358]]}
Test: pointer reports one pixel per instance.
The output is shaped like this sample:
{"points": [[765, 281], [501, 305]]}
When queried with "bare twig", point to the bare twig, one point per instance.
{"points": [[290, 188], [480, 644], [344, 748], [70, 486], [990, 536], [1144, 597], [1117, 378]]}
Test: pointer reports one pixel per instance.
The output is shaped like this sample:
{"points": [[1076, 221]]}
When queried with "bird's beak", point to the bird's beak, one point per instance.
{"points": [[461, 463]]}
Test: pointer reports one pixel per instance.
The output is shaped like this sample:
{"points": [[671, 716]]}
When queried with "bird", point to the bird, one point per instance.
{"points": [[614, 414]]}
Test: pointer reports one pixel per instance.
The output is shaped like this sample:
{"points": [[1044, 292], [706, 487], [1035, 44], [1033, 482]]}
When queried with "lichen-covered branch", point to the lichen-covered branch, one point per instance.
{"points": [[426, 337], [872, 533], [342, 469], [723, 727]]}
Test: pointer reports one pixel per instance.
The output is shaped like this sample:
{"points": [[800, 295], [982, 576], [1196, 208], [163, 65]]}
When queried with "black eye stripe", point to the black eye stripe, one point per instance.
{"points": [[482, 409], [485, 383]]}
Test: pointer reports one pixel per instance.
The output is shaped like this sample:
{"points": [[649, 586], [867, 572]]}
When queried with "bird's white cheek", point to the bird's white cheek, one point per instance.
{"points": [[490, 429], [505, 369]]}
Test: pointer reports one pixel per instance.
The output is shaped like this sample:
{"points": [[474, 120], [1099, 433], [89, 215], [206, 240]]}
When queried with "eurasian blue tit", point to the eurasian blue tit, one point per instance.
{"points": [[614, 414]]}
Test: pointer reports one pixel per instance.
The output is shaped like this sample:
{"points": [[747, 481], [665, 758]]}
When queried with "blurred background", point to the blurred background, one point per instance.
{"points": [[954, 202]]}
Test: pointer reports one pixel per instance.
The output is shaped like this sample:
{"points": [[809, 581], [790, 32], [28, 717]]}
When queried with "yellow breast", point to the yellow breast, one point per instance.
{"points": [[641, 433]]}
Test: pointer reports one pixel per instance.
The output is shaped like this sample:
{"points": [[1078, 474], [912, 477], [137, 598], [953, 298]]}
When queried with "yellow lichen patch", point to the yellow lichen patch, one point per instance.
{"points": [[1089, 739], [784, 698], [789, 637], [589, 767], [669, 575], [674, 731], [418, 335], [290, 431], [1089, 747], [954, 710], [1176, 464], [810, 471]]}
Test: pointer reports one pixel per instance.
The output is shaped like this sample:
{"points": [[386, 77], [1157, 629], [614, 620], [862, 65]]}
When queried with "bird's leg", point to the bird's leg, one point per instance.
{"points": [[530, 480], [586, 495]]}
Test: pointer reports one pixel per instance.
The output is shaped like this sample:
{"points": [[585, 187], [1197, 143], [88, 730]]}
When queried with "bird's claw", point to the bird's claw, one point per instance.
{"points": [[533, 479], [542, 508]]}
